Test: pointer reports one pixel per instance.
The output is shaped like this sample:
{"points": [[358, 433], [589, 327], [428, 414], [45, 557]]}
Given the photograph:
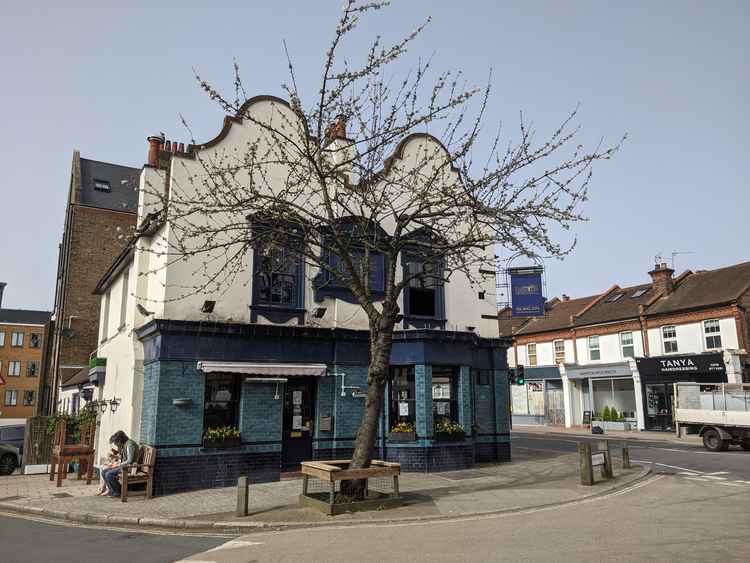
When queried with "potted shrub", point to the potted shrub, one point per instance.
{"points": [[222, 437], [402, 432], [447, 431]]}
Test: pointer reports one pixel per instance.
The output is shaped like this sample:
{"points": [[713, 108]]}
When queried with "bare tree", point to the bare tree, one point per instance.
{"points": [[350, 181]]}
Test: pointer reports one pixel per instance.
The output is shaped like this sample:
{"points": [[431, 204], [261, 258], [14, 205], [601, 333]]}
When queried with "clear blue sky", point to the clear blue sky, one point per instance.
{"points": [[101, 76]]}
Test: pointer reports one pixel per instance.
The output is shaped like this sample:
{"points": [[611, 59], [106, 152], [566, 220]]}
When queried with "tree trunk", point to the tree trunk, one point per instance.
{"points": [[380, 353]]}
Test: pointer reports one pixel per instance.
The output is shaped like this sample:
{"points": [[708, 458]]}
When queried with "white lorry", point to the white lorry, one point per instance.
{"points": [[719, 413]]}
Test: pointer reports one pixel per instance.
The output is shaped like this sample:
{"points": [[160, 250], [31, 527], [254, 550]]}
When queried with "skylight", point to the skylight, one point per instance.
{"points": [[638, 293], [614, 298]]}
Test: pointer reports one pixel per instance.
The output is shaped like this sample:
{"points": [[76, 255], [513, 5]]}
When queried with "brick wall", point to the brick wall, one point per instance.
{"points": [[94, 239]]}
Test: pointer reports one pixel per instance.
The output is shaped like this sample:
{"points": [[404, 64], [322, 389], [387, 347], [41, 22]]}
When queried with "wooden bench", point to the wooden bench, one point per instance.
{"points": [[142, 471]]}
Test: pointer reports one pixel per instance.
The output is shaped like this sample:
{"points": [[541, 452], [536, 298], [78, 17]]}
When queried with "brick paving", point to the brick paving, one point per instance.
{"points": [[531, 480]]}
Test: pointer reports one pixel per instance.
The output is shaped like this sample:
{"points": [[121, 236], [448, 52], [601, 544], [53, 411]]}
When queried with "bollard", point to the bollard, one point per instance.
{"points": [[587, 470], [625, 457], [607, 467], [243, 494]]}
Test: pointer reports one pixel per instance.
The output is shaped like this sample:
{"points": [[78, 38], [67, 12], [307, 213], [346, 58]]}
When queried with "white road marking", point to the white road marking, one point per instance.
{"points": [[718, 473], [689, 473], [231, 544], [665, 465], [709, 476]]}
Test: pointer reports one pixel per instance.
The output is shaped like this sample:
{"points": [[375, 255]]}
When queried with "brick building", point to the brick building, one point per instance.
{"points": [[624, 348], [99, 219], [23, 336]]}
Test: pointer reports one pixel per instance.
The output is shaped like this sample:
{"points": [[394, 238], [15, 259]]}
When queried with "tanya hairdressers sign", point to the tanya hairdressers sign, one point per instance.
{"points": [[526, 292]]}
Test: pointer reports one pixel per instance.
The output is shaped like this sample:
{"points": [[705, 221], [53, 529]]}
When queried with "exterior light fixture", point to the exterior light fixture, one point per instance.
{"points": [[319, 312], [103, 406], [113, 404], [208, 306]]}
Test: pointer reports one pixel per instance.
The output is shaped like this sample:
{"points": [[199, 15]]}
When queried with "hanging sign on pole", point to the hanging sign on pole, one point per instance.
{"points": [[527, 299]]}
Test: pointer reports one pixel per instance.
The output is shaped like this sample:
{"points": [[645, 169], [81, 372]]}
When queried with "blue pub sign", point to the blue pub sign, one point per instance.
{"points": [[527, 299]]}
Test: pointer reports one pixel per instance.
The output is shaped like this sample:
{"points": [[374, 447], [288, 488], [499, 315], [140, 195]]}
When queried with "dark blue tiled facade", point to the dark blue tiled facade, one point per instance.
{"points": [[173, 348]]}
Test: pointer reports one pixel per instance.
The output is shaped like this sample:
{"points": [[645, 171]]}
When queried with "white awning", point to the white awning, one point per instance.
{"points": [[273, 370]]}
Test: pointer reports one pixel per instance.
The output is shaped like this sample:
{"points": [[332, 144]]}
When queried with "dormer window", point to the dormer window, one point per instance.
{"points": [[102, 186]]}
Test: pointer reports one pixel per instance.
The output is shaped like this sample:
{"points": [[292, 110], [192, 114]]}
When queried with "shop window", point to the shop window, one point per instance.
{"points": [[402, 404], [626, 345], [444, 394], [2, 339], [531, 353], [278, 273], [34, 340], [14, 368], [669, 338], [11, 398], [594, 351], [712, 333], [28, 398], [16, 339], [32, 368], [221, 400], [559, 351]]}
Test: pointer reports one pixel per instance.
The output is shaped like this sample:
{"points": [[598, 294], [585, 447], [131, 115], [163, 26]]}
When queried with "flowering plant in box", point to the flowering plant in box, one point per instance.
{"points": [[221, 433], [448, 429], [403, 427]]}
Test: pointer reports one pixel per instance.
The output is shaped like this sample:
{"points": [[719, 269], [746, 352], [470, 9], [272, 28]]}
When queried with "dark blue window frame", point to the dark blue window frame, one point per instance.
{"points": [[326, 284], [434, 284], [278, 310]]}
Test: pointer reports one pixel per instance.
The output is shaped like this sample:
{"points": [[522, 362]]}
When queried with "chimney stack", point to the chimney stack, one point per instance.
{"points": [[337, 130], [2, 288], [661, 278], [565, 297], [155, 143]]}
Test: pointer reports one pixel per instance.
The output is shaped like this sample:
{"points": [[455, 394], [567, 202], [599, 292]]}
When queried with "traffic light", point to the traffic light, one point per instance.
{"points": [[520, 378]]}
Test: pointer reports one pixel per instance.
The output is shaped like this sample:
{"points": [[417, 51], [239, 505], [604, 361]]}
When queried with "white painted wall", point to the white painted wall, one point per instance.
{"points": [[691, 339]]}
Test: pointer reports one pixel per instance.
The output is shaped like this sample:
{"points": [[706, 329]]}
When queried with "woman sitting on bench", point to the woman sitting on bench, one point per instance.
{"points": [[128, 454]]}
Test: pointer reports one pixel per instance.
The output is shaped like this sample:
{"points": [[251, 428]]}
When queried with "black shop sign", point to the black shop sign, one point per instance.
{"points": [[694, 367]]}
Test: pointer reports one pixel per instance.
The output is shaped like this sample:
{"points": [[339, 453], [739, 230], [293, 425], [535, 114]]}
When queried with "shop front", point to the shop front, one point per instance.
{"points": [[605, 391], [539, 401], [659, 374]]}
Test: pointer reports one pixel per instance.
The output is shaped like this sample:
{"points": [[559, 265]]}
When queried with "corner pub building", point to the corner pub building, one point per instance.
{"points": [[286, 364]]}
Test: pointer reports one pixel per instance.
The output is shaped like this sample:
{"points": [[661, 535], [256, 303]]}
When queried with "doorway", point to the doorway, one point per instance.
{"points": [[659, 407], [299, 422], [555, 405]]}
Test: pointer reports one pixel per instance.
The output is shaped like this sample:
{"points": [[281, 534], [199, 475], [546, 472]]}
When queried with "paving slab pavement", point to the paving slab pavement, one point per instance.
{"points": [[534, 478]]}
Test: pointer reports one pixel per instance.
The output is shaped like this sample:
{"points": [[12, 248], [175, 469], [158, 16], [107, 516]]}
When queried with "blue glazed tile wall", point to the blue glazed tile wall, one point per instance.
{"points": [[179, 424], [464, 398], [423, 399], [150, 398], [261, 412]]}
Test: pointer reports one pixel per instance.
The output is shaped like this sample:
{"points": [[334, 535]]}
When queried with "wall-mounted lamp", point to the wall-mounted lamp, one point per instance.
{"points": [[471, 328], [208, 306], [319, 312], [142, 310], [182, 402], [113, 404], [102, 406]]}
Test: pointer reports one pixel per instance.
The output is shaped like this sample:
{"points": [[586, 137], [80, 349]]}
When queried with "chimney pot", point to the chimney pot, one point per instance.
{"points": [[154, 144], [181, 147], [565, 297], [168, 146]]}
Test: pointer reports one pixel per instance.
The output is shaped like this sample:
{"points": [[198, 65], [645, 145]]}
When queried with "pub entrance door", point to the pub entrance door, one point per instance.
{"points": [[299, 422]]}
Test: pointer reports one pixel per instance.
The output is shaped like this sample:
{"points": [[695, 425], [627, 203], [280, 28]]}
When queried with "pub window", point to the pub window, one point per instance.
{"points": [[34, 340], [28, 398], [559, 351], [626, 345], [423, 288], [712, 333], [669, 338], [402, 404], [221, 400], [444, 394], [14, 368], [277, 277], [16, 339], [11, 398], [594, 351], [375, 270], [531, 353], [32, 368]]}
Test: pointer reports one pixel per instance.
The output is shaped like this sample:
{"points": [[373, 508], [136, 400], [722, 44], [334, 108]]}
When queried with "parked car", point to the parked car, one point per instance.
{"points": [[13, 435], [10, 459]]}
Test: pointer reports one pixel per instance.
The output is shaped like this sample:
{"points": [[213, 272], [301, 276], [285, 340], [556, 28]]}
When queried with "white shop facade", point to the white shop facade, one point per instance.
{"points": [[588, 390]]}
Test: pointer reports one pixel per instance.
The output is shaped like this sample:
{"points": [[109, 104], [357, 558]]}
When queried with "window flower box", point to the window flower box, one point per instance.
{"points": [[402, 436], [447, 431], [450, 436], [221, 443]]}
